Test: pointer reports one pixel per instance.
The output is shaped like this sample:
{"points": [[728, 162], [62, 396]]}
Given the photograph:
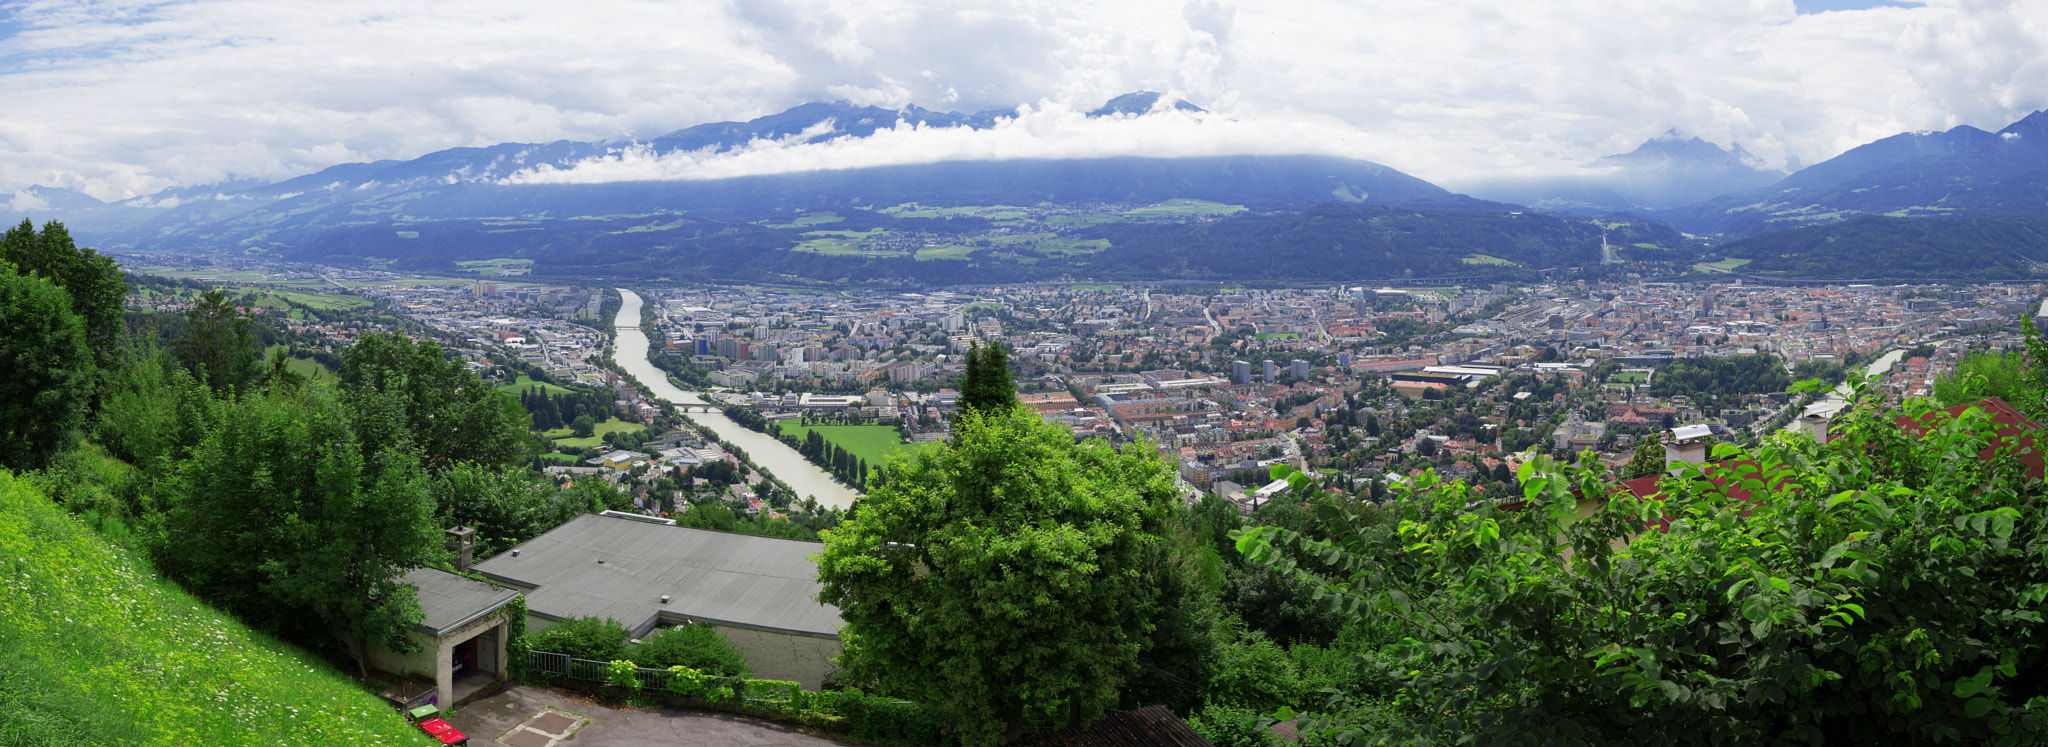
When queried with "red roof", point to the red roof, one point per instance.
{"points": [[2011, 424]]}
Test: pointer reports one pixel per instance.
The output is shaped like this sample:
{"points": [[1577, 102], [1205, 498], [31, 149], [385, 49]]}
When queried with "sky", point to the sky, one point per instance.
{"points": [[120, 98]]}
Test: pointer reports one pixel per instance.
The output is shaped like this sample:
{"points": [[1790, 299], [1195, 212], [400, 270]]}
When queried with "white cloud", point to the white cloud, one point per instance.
{"points": [[126, 97], [1047, 131]]}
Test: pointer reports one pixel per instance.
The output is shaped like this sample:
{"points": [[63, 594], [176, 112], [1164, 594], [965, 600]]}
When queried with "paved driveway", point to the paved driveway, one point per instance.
{"points": [[532, 717]]}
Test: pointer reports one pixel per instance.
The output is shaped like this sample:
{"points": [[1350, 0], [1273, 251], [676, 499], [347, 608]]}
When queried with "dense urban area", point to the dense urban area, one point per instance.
{"points": [[1372, 384]]}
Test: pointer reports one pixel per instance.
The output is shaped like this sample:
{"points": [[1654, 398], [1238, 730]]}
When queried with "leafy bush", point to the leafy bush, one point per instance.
{"points": [[1227, 726], [620, 672], [877, 719], [583, 638], [1254, 671], [697, 646]]}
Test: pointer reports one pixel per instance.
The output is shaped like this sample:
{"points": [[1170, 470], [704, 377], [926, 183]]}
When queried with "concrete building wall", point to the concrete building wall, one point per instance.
{"points": [[779, 656], [418, 663]]}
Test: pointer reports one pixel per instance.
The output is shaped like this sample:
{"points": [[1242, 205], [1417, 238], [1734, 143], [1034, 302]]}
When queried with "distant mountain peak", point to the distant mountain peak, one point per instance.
{"points": [[2032, 127], [1140, 103]]}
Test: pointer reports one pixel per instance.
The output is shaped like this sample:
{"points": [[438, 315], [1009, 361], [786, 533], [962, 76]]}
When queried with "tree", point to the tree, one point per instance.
{"points": [[1648, 460], [46, 372], [437, 405], [98, 294], [218, 346], [1983, 375], [1001, 572], [583, 426], [283, 516], [986, 386]]}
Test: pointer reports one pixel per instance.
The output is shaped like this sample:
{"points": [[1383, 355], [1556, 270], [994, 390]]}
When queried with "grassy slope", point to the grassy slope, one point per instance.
{"points": [[871, 442], [96, 649]]}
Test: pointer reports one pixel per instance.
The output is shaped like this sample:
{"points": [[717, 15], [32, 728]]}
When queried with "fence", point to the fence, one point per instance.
{"points": [[565, 665]]}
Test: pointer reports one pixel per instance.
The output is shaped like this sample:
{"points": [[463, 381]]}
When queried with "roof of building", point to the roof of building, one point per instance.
{"points": [[451, 600], [620, 568]]}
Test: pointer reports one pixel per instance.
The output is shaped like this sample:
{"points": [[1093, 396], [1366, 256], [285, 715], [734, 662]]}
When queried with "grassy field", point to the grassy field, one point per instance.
{"points": [[306, 367], [873, 443], [840, 242], [95, 648], [945, 252], [1482, 259], [526, 382], [1279, 336], [1636, 377], [1176, 207], [564, 441]]}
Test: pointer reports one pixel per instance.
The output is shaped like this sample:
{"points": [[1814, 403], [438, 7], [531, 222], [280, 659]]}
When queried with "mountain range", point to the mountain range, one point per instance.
{"points": [[455, 204]]}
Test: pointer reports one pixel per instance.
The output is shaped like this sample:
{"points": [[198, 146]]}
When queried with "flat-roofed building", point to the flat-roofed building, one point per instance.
{"points": [[760, 592]]}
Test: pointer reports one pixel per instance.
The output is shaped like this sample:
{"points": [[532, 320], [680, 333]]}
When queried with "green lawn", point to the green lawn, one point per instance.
{"points": [[561, 458], [873, 443], [306, 367], [95, 648], [564, 441], [526, 382], [806, 221], [1629, 378], [1279, 336], [1483, 259]]}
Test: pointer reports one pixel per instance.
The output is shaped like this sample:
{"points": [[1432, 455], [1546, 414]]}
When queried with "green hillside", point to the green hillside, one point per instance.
{"points": [[96, 649], [1881, 248]]}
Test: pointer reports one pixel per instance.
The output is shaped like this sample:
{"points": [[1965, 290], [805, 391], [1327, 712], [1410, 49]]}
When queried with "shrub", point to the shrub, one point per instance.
{"points": [[583, 638], [696, 646], [621, 673], [1254, 671], [876, 719], [1225, 726]]}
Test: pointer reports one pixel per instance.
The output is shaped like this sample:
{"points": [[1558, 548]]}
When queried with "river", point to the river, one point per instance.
{"points": [[774, 456]]}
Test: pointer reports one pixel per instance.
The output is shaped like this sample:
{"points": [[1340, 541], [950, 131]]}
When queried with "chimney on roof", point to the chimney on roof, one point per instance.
{"points": [[1686, 444], [462, 542], [1814, 424]]}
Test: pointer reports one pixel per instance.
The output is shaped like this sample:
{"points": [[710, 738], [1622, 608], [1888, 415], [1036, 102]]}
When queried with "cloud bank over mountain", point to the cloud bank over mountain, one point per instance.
{"points": [[118, 98]]}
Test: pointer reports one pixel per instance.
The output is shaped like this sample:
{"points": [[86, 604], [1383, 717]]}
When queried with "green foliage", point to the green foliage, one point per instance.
{"points": [[1880, 588], [696, 646], [1720, 377], [1647, 460], [218, 346], [583, 426], [516, 642], [409, 393], [283, 517], [1256, 673], [620, 672], [686, 682], [596, 639], [97, 293], [876, 719], [96, 649], [1001, 571], [154, 410], [2000, 375], [1910, 249], [986, 386], [46, 372], [506, 505], [1232, 726]]}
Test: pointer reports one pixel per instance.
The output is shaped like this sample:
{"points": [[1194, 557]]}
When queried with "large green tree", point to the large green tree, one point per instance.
{"points": [[283, 516], [219, 345], [97, 291], [1002, 572], [407, 392], [46, 371]]}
